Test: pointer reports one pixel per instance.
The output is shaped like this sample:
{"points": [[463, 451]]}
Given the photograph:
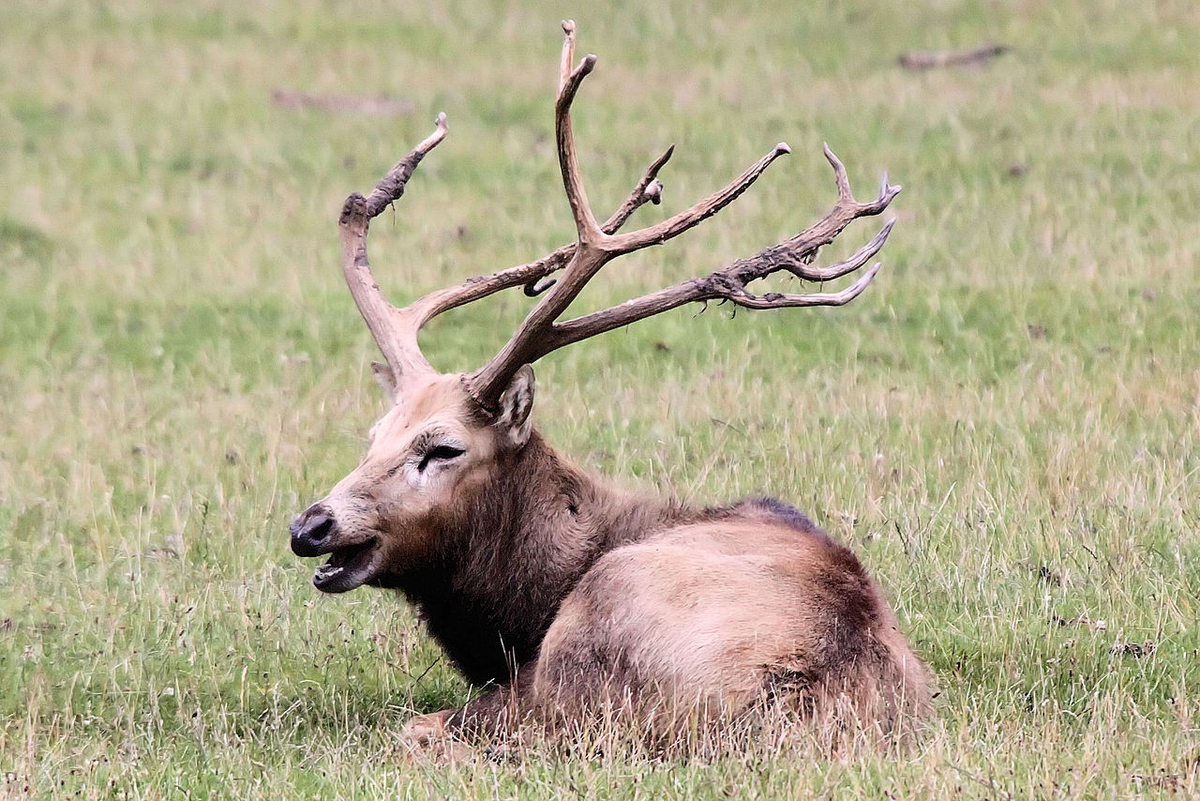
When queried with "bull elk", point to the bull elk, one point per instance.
{"points": [[559, 592]]}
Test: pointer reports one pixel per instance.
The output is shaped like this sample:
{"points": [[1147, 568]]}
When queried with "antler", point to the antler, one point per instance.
{"points": [[385, 321], [540, 333], [395, 329]]}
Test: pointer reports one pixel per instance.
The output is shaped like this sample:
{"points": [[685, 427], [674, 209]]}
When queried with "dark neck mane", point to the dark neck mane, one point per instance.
{"points": [[497, 583]]}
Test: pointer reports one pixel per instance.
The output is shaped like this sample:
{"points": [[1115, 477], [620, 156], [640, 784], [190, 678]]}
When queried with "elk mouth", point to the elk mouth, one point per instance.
{"points": [[348, 567]]}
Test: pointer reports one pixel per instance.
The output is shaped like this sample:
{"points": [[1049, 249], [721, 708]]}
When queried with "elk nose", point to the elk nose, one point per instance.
{"points": [[310, 531]]}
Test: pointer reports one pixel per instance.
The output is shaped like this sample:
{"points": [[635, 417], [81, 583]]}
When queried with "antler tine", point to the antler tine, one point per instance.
{"points": [[399, 346], [569, 81], [730, 283], [648, 190], [843, 267], [788, 300], [839, 175], [391, 187], [532, 339], [690, 218], [568, 53]]}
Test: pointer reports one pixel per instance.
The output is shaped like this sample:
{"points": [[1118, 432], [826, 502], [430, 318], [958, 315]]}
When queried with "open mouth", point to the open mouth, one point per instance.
{"points": [[347, 567]]}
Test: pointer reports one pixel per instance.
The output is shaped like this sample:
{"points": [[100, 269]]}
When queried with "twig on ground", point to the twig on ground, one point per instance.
{"points": [[975, 56]]}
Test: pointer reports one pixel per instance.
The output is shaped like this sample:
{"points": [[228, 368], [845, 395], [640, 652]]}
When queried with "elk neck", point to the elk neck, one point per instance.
{"points": [[501, 572]]}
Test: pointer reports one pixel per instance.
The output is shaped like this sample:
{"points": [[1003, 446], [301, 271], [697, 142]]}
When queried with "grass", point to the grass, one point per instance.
{"points": [[1005, 427]]}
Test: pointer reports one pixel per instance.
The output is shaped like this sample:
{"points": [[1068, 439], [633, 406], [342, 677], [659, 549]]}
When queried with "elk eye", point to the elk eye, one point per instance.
{"points": [[442, 453]]}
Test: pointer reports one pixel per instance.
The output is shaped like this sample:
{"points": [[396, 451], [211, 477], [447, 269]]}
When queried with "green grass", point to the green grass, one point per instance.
{"points": [[1006, 426]]}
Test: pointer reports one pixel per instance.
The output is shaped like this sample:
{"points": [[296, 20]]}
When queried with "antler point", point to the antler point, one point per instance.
{"points": [[654, 191], [354, 207]]}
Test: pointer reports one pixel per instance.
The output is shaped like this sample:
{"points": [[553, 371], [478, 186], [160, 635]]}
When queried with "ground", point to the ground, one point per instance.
{"points": [[1004, 427]]}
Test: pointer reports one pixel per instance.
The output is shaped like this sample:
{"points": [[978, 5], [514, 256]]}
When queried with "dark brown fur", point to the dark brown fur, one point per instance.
{"points": [[492, 588]]}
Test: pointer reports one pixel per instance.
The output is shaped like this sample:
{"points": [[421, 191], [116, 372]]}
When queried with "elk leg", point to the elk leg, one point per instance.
{"points": [[423, 731], [499, 713], [496, 715]]}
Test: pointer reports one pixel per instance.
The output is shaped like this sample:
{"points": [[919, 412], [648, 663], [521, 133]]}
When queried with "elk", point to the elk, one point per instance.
{"points": [[565, 595]]}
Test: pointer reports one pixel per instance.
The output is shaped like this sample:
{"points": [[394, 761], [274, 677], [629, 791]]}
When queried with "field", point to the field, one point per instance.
{"points": [[1005, 427]]}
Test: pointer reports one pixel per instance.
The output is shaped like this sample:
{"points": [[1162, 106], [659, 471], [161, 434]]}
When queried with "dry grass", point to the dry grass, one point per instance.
{"points": [[1005, 427]]}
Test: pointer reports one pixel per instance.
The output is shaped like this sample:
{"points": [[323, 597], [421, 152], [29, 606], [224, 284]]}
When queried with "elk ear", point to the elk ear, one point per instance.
{"points": [[514, 419], [386, 379]]}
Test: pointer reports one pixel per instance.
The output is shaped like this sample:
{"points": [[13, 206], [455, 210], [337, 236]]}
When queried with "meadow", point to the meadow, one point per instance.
{"points": [[1005, 426]]}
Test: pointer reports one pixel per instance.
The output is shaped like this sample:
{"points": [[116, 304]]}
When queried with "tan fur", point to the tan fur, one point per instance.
{"points": [[714, 618], [597, 601], [406, 507]]}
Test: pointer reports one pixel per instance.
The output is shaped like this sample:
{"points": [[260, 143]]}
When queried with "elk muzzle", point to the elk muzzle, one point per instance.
{"points": [[312, 530], [354, 555]]}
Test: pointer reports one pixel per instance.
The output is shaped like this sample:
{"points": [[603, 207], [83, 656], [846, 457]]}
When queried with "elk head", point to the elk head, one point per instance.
{"points": [[447, 436]]}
